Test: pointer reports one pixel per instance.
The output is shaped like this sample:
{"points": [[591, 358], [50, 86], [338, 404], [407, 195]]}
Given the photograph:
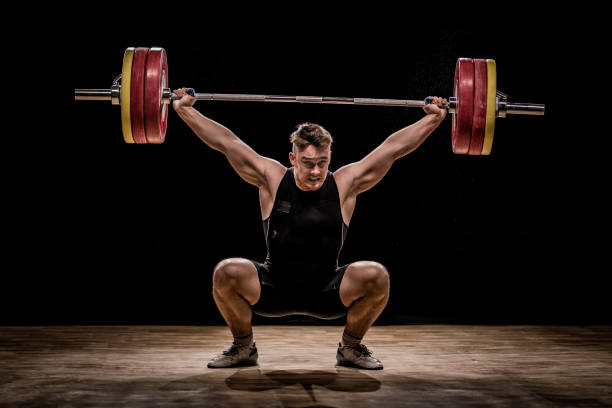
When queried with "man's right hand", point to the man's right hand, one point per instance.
{"points": [[185, 100]]}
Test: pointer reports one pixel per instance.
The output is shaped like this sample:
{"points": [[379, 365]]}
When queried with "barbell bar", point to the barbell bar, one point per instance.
{"points": [[475, 104], [507, 107]]}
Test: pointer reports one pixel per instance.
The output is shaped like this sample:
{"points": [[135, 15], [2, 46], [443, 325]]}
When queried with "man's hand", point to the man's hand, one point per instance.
{"points": [[185, 100], [438, 107]]}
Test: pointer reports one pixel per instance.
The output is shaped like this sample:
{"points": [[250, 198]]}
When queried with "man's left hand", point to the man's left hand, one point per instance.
{"points": [[437, 107]]}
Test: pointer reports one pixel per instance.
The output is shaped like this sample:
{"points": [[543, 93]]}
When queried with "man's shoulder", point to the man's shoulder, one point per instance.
{"points": [[344, 178], [344, 173], [274, 171], [275, 168]]}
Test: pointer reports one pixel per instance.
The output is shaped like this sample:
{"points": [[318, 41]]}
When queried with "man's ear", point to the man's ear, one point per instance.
{"points": [[292, 158]]}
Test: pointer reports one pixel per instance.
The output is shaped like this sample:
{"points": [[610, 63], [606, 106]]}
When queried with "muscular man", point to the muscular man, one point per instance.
{"points": [[306, 211]]}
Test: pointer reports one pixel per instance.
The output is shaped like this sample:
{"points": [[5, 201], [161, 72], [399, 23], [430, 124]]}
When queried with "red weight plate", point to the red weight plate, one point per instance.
{"points": [[464, 92], [480, 106], [156, 79], [137, 94]]}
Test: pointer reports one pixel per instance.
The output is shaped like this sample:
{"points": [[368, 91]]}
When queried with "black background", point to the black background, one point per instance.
{"points": [[97, 231]]}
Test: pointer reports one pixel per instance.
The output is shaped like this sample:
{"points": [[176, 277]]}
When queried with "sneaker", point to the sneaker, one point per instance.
{"points": [[235, 356], [357, 356]]}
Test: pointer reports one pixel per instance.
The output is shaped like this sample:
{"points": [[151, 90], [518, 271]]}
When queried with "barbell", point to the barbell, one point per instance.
{"points": [[142, 92]]}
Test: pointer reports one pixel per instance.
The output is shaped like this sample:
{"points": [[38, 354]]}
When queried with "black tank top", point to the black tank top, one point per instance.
{"points": [[304, 233]]}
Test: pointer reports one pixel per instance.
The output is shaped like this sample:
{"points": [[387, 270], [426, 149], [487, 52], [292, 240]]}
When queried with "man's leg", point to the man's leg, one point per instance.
{"points": [[235, 288], [364, 290]]}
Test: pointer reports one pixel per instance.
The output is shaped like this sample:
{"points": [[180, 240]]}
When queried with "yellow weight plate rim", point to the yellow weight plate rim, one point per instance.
{"points": [[491, 106], [124, 97]]}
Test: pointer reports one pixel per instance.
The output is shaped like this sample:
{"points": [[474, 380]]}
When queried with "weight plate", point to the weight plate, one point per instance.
{"points": [[464, 92], [156, 79], [124, 96], [480, 106], [491, 106], [137, 94]]}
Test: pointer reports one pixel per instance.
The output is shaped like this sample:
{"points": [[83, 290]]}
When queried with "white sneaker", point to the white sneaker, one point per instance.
{"points": [[357, 356], [235, 356]]}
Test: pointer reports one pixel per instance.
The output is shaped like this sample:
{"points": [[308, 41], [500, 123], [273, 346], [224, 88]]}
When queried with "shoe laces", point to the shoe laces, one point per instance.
{"points": [[361, 349], [233, 350]]}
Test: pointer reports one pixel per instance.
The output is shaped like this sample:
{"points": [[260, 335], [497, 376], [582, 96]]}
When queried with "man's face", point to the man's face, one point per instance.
{"points": [[310, 167]]}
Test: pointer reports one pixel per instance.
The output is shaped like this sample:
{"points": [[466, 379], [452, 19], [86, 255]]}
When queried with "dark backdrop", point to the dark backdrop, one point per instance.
{"points": [[103, 232]]}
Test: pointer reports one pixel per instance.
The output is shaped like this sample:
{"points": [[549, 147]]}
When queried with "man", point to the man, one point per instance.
{"points": [[306, 211]]}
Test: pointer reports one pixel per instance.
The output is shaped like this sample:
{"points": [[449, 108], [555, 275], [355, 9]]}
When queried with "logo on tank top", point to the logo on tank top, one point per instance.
{"points": [[284, 206]]}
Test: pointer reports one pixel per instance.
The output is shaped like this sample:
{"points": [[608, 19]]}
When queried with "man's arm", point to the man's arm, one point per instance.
{"points": [[246, 162], [366, 173]]}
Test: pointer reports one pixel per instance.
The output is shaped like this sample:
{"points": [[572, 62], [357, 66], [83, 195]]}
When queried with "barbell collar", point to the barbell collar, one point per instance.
{"points": [[115, 94]]}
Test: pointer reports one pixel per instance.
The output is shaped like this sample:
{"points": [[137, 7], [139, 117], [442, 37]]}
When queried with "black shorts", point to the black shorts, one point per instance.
{"points": [[276, 301]]}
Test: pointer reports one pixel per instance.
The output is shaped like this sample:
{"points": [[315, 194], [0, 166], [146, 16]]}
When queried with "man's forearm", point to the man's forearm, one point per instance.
{"points": [[409, 138], [210, 132]]}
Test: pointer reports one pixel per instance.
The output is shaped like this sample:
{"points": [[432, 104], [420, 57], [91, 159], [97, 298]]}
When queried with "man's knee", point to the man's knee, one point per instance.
{"points": [[373, 276], [229, 273]]}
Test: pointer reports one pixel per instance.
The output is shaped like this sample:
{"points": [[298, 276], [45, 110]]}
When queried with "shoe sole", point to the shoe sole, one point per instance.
{"points": [[352, 365]]}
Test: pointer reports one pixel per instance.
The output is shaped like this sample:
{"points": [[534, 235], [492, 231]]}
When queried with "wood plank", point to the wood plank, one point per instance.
{"points": [[425, 366]]}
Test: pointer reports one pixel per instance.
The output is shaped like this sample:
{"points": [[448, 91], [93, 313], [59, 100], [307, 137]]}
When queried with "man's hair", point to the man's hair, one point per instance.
{"points": [[308, 134]]}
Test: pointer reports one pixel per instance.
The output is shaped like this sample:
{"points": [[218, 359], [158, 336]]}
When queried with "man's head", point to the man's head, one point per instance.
{"points": [[310, 155]]}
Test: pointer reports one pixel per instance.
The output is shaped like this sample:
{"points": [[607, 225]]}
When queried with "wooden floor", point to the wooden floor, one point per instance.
{"points": [[425, 366]]}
